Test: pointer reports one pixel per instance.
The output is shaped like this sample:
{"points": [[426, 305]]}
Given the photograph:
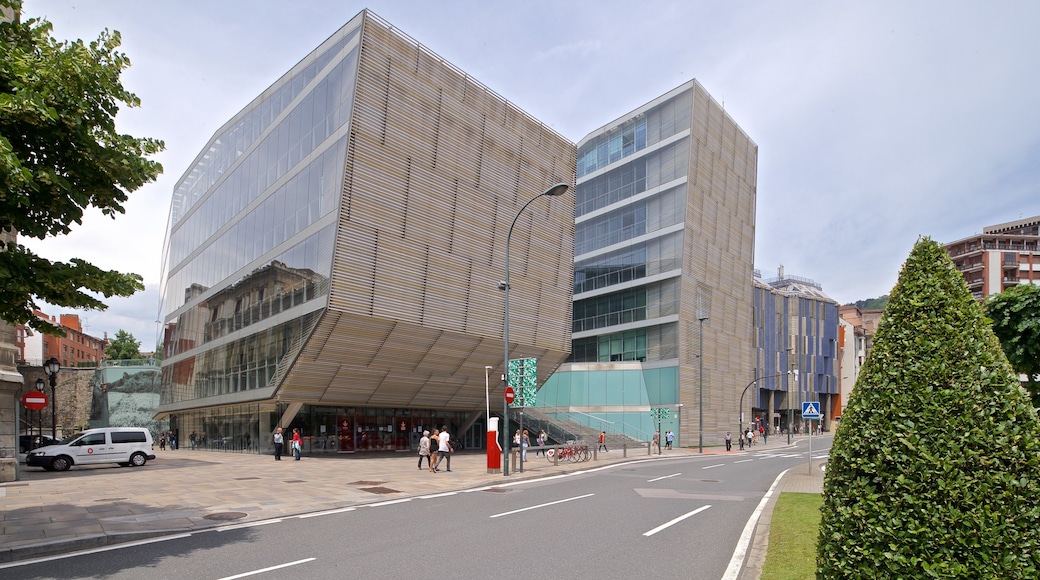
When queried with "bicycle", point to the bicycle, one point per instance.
{"points": [[573, 453]]}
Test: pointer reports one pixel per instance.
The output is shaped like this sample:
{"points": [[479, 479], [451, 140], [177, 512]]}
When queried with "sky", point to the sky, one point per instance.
{"points": [[877, 122]]}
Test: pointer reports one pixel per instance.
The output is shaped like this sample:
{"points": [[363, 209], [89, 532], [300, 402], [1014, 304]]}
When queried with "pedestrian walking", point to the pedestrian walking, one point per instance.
{"points": [[443, 448], [729, 442], [541, 443], [162, 442], [656, 443], [278, 441], [669, 437], [525, 442], [424, 448], [297, 443], [435, 445], [602, 442], [193, 438], [740, 440]]}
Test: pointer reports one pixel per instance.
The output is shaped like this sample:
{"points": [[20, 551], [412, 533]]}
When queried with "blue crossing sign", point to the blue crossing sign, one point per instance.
{"points": [[810, 410]]}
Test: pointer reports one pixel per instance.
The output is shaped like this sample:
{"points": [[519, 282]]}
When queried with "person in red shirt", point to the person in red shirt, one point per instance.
{"points": [[297, 443], [602, 441]]}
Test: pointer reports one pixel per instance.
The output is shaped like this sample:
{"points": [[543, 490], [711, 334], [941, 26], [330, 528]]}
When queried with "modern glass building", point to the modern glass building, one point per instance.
{"points": [[333, 254], [796, 329], [663, 266]]}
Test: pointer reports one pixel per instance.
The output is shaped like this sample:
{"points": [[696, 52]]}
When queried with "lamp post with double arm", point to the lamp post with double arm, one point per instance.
{"points": [[51, 367], [558, 189]]}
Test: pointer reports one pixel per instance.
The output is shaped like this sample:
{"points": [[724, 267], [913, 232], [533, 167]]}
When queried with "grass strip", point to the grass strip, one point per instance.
{"points": [[795, 522]]}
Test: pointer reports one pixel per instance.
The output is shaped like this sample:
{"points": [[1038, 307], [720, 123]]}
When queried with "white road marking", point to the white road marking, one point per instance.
{"points": [[743, 461], [663, 477], [246, 525], [437, 495], [327, 513], [534, 507], [262, 570], [91, 551], [737, 561], [713, 466], [390, 502], [675, 521]]}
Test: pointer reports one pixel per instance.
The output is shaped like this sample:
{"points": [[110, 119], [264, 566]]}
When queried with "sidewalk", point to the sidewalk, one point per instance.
{"points": [[182, 491]]}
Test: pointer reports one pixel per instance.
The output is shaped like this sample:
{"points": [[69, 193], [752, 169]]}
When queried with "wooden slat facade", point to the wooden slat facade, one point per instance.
{"points": [[437, 168]]}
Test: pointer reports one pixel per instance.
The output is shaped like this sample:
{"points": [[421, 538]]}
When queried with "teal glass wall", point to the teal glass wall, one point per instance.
{"points": [[615, 400]]}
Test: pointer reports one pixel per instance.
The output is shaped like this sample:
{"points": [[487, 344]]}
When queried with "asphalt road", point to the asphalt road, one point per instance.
{"points": [[677, 518]]}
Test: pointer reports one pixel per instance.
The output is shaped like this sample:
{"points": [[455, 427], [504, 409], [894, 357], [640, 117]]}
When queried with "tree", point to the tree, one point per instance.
{"points": [[124, 347], [60, 153], [1016, 322], [933, 472]]}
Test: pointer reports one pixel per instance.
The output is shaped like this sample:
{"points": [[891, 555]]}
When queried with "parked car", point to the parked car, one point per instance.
{"points": [[122, 445], [27, 443]]}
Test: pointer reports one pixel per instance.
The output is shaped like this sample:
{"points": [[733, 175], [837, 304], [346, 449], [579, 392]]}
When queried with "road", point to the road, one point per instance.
{"points": [[667, 518]]}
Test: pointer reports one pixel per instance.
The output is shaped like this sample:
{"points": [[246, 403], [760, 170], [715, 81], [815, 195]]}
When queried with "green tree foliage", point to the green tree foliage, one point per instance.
{"points": [[871, 303], [123, 347], [935, 467], [1016, 322], [60, 153]]}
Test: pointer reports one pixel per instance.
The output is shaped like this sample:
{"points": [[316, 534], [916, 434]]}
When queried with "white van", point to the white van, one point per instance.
{"points": [[122, 445]]}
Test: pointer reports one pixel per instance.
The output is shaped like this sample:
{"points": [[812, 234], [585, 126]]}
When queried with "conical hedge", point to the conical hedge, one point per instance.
{"points": [[935, 467]]}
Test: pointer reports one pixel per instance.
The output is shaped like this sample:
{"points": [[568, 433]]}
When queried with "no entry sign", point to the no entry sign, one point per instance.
{"points": [[510, 395], [35, 400]]}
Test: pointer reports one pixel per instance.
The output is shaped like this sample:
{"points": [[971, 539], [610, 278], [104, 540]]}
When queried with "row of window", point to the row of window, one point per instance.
{"points": [[226, 148], [612, 147], [305, 129], [610, 310]]}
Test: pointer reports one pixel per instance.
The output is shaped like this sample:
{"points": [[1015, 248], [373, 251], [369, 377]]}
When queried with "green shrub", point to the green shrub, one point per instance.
{"points": [[934, 468]]}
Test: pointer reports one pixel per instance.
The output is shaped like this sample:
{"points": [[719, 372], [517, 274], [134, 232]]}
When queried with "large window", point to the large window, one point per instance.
{"points": [[623, 224], [610, 310], [613, 146], [614, 268], [619, 346]]}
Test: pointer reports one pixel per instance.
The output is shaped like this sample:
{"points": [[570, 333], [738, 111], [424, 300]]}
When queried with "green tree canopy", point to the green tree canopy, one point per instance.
{"points": [[60, 153], [1016, 322], [935, 467], [123, 347]]}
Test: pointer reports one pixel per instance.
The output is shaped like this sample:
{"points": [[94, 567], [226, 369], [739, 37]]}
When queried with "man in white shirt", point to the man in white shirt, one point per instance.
{"points": [[444, 448]]}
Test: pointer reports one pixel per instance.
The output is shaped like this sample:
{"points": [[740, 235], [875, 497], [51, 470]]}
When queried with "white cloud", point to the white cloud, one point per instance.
{"points": [[876, 122]]}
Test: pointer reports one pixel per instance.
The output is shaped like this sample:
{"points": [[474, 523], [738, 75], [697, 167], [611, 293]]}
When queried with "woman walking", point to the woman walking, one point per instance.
{"points": [[434, 445], [424, 449]]}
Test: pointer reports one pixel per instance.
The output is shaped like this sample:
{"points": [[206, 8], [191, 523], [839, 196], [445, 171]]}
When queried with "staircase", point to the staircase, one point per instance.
{"points": [[562, 429]]}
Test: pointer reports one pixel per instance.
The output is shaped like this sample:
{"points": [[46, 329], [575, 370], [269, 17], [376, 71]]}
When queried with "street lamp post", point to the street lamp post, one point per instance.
{"points": [[790, 419], [740, 419], [558, 189], [700, 403], [51, 367]]}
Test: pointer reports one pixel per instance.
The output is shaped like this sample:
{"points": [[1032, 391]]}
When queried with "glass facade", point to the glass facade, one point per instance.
{"points": [[617, 400], [325, 430], [251, 233]]}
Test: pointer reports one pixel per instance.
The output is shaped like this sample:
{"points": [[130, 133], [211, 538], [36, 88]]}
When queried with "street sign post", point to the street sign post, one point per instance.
{"points": [[810, 411], [35, 400]]}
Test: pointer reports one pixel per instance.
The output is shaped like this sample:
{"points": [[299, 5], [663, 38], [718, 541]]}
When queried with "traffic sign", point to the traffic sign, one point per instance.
{"points": [[35, 400], [810, 410], [510, 395]]}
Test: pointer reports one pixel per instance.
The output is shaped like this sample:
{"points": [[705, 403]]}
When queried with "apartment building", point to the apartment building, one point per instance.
{"points": [[1004, 255]]}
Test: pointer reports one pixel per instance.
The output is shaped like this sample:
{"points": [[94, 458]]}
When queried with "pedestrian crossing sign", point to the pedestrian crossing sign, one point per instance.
{"points": [[810, 410]]}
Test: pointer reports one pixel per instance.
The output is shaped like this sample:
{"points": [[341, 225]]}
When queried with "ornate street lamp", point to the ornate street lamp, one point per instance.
{"points": [[558, 189], [51, 367]]}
